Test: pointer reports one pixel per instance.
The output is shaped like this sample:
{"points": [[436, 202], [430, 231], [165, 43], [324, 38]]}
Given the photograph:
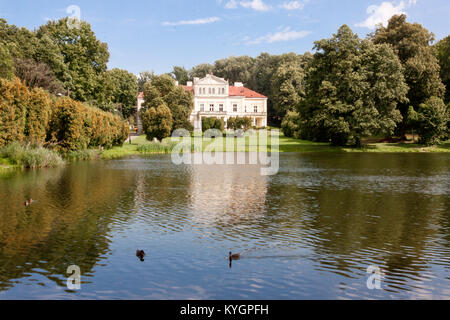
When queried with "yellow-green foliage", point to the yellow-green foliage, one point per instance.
{"points": [[13, 104], [67, 128], [38, 116]]}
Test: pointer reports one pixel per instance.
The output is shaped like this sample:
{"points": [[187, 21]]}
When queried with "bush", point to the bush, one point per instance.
{"points": [[14, 99], [432, 118], [291, 124], [30, 156], [38, 116], [157, 123], [212, 123]]}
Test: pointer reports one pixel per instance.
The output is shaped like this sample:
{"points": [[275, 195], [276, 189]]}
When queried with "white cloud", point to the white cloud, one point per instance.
{"points": [[285, 34], [294, 5], [232, 4], [382, 13], [257, 5], [192, 22]]}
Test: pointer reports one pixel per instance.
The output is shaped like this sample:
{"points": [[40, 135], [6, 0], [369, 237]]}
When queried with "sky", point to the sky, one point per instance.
{"points": [[157, 35]]}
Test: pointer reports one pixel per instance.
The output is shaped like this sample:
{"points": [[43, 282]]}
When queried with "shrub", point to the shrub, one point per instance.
{"points": [[38, 116], [212, 123], [157, 147], [431, 119], [157, 123], [13, 105], [30, 156], [67, 128], [291, 124]]}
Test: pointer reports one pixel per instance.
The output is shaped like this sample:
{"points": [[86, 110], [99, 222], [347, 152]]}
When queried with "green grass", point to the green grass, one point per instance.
{"points": [[141, 146]]}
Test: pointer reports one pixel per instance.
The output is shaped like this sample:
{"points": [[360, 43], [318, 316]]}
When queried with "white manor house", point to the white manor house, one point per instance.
{"points": [[214, 97]]}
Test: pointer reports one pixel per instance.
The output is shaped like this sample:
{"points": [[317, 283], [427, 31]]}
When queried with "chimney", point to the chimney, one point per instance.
{"points": [[189, 83], [238, 84]]}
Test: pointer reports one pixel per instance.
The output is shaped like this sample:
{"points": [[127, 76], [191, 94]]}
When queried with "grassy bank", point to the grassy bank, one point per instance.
{"points": [[29, 156], [141, 146]]}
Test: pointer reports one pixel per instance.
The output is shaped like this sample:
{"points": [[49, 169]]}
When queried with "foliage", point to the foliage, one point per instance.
{"points": [[84, 55], [31, 156], [180, 74], [124, 91], [353, 89], [38, 75], [157, 122], [38, 115], [6, 64], [162, 90], [14, 99], [291, 124], [442, 50], [143, 78], [157, 147], [431, 120], [411, 42]]}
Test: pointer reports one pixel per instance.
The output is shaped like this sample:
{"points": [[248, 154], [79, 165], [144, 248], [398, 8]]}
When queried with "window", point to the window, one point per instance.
{"points": [[209, 90], [235, 108], [204, 90], [202, 107], [211, 107], [221, 107], [255, 108], [214, 91], [245, 109], [223, 90]]}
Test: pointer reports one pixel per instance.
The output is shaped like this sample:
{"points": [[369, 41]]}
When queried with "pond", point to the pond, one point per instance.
{"points": [[309, 232]]}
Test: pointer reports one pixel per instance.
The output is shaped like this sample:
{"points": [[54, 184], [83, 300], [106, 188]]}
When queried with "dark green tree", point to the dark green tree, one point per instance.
{"points": [[180, 74], [353, 88], [124, 91], [6, 63], [157, 122], [442, 50], [411, 42]]}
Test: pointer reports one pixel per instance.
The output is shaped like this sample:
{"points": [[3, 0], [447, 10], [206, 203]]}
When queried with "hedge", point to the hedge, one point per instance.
{"points": [[62, 123]]}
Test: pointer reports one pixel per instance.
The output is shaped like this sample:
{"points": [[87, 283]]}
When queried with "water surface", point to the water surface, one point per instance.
{"points": [[309, 232]]}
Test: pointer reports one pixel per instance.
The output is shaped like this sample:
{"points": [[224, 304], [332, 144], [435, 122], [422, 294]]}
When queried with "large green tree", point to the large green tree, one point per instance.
{"points": [[85, 56], [180, 74], [411, 42], [442, 50], [162, 90], [353, 88], [157, 122], [124, 91]]}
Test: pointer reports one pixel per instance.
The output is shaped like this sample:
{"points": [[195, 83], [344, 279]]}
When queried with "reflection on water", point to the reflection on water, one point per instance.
{"points": [[309, 232]]}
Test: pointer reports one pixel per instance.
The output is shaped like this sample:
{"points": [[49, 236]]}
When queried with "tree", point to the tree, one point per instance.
{"points": [[85, 56], [162, 90], [411, 42], [124, 91], [288, 87], [38, 75], [143, 78], [442, 50], [6, 64], [157, 122], [291, 124], [235, 69], [180, 74], [431, 121], [353, 88], [201, 71]]}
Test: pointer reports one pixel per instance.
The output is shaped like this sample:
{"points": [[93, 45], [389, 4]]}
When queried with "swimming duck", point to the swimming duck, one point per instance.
{"points": [[140, 254], [29, 202], [235, 256]]}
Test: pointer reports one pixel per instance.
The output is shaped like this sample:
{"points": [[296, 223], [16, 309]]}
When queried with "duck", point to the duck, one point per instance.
{"points": [[29, 202], [140, 254], [235, 256]]}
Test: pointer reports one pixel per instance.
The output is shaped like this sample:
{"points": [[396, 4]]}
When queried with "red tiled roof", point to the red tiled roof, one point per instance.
{"points": [[244, 92], [234, 92], [188, 89]]}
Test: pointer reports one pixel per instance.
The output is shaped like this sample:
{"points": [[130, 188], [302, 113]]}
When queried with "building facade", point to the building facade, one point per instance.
{"points": [[214, 97]]}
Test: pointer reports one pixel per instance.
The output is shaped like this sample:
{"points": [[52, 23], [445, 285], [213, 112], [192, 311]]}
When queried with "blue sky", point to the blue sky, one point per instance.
{"points": [[156, 35]]}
